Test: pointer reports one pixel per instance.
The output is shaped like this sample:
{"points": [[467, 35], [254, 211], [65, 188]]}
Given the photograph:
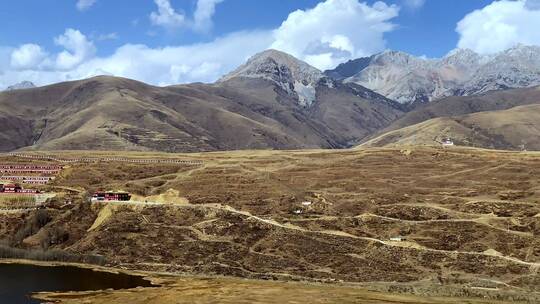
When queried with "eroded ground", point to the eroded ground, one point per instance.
{"points": [[459, 221]]}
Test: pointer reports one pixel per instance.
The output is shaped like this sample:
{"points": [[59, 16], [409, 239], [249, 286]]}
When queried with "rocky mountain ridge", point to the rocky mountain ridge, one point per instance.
{"points": [[409, 79], [297, 78]]}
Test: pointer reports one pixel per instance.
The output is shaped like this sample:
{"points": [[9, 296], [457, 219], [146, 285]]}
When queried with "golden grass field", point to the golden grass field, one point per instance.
{"points": [[468, 220]]}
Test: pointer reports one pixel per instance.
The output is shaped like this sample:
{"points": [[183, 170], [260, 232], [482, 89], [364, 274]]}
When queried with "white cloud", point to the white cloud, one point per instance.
{"points": [[414, 4], [178, 64], [83, 5], [27, 56], [331, 32], [77, 49], [204, 62], [166, 16], [169, 18], [500, 25], [334, 31], [202, 18]]}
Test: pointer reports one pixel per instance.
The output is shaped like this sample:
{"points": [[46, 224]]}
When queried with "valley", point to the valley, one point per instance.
{"points": [[269, 152], [421, 220]]}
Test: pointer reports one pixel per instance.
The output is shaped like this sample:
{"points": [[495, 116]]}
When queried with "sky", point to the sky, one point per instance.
{"points": [[165, 42]]}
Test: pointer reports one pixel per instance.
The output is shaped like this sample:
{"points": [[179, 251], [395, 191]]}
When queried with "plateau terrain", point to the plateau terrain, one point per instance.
{"points": [[421, 220]]}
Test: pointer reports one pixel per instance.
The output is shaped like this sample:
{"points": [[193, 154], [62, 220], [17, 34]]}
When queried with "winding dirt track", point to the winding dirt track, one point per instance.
{"points": [[333, 233]]}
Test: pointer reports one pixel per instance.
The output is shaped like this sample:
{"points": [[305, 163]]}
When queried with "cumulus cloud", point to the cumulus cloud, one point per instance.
{"points": [[168, 17], [177, 64], [202, 18], [27, 56], [334, 31], [160, 66], [83, 5], [329, 33], [77, 49], [500, 25]]}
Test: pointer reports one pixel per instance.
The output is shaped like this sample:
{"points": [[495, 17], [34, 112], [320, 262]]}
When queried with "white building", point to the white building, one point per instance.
{"points": [[447, 142]]}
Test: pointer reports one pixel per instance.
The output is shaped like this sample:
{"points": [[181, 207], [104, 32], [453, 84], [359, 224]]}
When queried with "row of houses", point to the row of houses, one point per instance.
{"points": [[39, 180], [15, 189], [109, 159], [30, 169], [39, 174]]}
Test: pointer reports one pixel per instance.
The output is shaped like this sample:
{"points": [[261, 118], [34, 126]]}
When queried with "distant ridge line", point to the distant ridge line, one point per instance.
{"points": [[107, 159]]}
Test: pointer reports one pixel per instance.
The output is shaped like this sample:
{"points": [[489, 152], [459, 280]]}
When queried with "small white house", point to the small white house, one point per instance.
{"points": [[397, 239], [447, 142]]}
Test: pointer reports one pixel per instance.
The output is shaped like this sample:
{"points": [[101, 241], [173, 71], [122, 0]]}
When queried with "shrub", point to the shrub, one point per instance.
{"points": [[49, 255]]}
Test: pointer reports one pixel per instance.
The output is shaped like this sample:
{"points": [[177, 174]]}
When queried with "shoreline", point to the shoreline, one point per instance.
{"points": [[175, 284]]}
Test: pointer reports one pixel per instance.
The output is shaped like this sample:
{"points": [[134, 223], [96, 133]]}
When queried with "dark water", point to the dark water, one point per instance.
{"points": [[18, 281]]}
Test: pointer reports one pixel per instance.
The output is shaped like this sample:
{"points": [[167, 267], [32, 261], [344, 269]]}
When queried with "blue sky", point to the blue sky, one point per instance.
{"points": [[174, 41], [429, 30]]}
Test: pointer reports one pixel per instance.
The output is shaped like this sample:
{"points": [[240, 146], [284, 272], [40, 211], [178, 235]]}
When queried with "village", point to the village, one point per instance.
{"points": [[14, 178], [24, 185]]}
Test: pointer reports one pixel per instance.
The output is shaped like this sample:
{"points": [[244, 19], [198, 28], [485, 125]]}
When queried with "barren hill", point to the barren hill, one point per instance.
{"points": [[432, 221], [239, 112], [456, 105], [498, 119], [513, 129]]}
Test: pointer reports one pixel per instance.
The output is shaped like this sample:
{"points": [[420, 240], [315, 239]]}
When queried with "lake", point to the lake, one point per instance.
{"points": [[18, 281]]}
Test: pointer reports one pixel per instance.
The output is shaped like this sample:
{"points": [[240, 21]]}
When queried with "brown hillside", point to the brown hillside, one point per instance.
{"points": [[456, 105], [108, 113], [513, 129]]}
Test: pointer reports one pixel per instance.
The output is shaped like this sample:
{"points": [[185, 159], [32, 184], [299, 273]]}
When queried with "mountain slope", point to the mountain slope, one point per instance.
{"points": [[513, 129], [409, 79], [498, 119], [456, 105], [295, 77], [245, 110]]}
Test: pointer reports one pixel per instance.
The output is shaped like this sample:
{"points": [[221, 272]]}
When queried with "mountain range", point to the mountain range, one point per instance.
{"points": [[275, 101], [408, 79]]}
